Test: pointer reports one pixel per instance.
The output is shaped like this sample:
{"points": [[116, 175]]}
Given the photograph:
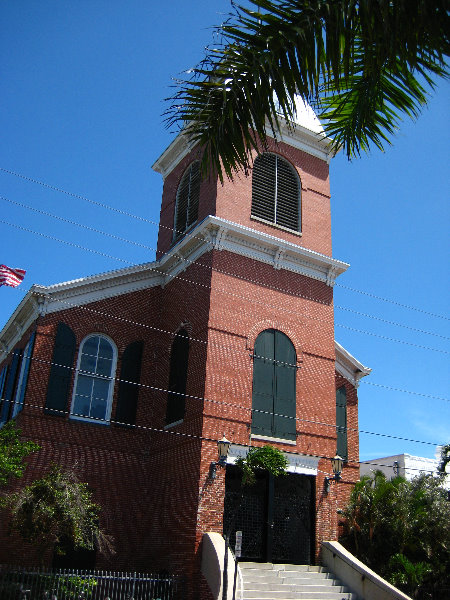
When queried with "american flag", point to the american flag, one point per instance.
{"points": [[12, 277]]}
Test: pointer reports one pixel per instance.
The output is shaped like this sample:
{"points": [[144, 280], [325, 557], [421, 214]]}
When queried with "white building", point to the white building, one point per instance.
{"points": [[405, 465]]}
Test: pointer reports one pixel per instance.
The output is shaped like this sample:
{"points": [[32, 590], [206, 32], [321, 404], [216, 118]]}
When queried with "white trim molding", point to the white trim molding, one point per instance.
{"points": [[211, 233], [348, 366], [307, 135], [302, 464]]}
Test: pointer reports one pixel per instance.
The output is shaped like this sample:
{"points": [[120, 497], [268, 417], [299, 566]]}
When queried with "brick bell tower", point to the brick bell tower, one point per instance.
{"points": [[250, 304]]}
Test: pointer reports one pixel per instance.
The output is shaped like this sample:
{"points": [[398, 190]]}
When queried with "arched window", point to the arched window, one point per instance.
{"points": [[186, 207], [276, 192], [93, 389], [274, 397], [179, 358]]}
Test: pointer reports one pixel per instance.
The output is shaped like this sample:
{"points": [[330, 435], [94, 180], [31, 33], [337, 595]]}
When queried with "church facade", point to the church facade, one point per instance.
{"points": [[132, 376]]}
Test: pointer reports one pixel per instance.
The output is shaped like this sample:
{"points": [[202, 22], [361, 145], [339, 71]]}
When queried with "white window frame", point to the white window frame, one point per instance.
{"points": [[111, 379]]}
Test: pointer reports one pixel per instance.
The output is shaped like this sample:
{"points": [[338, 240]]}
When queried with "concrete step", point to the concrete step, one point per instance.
{"points": [[259, 583], [255, 575], [305, 587], [281, 567], [266, 581], [287, 595]]}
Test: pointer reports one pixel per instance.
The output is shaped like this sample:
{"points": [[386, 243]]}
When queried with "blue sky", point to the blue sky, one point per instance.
{"points": [[82, 94]]}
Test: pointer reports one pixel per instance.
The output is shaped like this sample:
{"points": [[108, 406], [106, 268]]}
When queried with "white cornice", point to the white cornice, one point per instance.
{"points": [[211, 233], [174, 153], [312, 142], [348, 366], [239, 239]]}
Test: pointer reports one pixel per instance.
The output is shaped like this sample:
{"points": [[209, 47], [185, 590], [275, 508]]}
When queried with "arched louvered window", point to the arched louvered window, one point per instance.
{"points": [[341, 422], [274, 396], [188, 193], [93, 389], [179, 358], [276, 192]]}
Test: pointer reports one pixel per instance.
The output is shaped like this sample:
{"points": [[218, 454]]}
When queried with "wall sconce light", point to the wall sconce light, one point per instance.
{"points": [[336, 464], [223, 446], [396, 467]]}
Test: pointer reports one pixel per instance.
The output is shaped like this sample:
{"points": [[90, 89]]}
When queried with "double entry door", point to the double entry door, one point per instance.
{"points": [[275, 515]]}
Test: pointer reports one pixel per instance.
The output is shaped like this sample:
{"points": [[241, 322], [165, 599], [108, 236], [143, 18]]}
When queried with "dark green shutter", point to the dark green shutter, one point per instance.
{"points": [[25, 369], [61, 371], [10, 385], [128, 393], [263, 383], [274, 396], [179, 359], [341, 422], [284, 397]]}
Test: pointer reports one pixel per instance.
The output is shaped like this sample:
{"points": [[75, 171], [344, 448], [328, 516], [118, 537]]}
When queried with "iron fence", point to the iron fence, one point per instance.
{"points": [[70, 584]]}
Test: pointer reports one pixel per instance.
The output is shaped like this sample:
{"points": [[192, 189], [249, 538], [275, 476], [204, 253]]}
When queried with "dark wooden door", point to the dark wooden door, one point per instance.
{"points": [[275, 515]]}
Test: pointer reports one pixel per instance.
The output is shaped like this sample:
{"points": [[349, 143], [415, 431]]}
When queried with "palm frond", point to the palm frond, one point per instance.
{"points": [[364, 64]]}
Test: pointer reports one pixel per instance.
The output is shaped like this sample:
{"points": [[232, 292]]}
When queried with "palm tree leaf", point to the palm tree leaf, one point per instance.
{"points": [[364, 63]]}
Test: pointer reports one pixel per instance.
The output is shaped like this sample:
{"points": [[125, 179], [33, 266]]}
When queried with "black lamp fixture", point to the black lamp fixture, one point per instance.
{"points": [[223, 446], [336, 464]]}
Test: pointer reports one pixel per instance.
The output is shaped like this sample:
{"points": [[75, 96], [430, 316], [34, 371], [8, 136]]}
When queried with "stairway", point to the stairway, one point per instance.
{"points": [[267, 581]]}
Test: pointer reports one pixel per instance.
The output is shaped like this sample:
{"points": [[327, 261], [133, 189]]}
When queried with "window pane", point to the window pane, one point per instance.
{"points": [[105, 350], [90, 346], [83, 394], [89, 354], [104, 366], [101, 389], [98, 409]]}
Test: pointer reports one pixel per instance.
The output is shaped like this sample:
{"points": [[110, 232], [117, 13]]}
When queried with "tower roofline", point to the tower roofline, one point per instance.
{"points": [[301, 135]]}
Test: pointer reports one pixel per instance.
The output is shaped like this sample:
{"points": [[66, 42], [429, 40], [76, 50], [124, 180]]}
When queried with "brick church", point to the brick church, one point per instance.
{"points": [[132, 376]]}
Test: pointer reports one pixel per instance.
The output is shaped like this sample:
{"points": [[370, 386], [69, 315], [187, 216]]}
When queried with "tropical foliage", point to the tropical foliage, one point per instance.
{"points": [[13, 451], [362, 64], [55, 511], [401, 529], [266, 458]]}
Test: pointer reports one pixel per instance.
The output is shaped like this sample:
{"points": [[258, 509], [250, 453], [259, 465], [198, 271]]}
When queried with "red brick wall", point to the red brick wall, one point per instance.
{"points": [[232, 201], [153, 482]]}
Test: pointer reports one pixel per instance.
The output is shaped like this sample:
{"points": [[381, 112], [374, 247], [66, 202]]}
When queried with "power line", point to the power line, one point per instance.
{"points": [[212, 343], [190, 262], [395, 302], [248, 299], [133, 216], [182, 434], [212, 401]]}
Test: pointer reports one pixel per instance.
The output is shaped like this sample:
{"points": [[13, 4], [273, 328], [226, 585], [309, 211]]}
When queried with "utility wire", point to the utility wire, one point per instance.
{"points": [[212, 401], [212, 343], [190, 262], [139, 218], [247, 299]]}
